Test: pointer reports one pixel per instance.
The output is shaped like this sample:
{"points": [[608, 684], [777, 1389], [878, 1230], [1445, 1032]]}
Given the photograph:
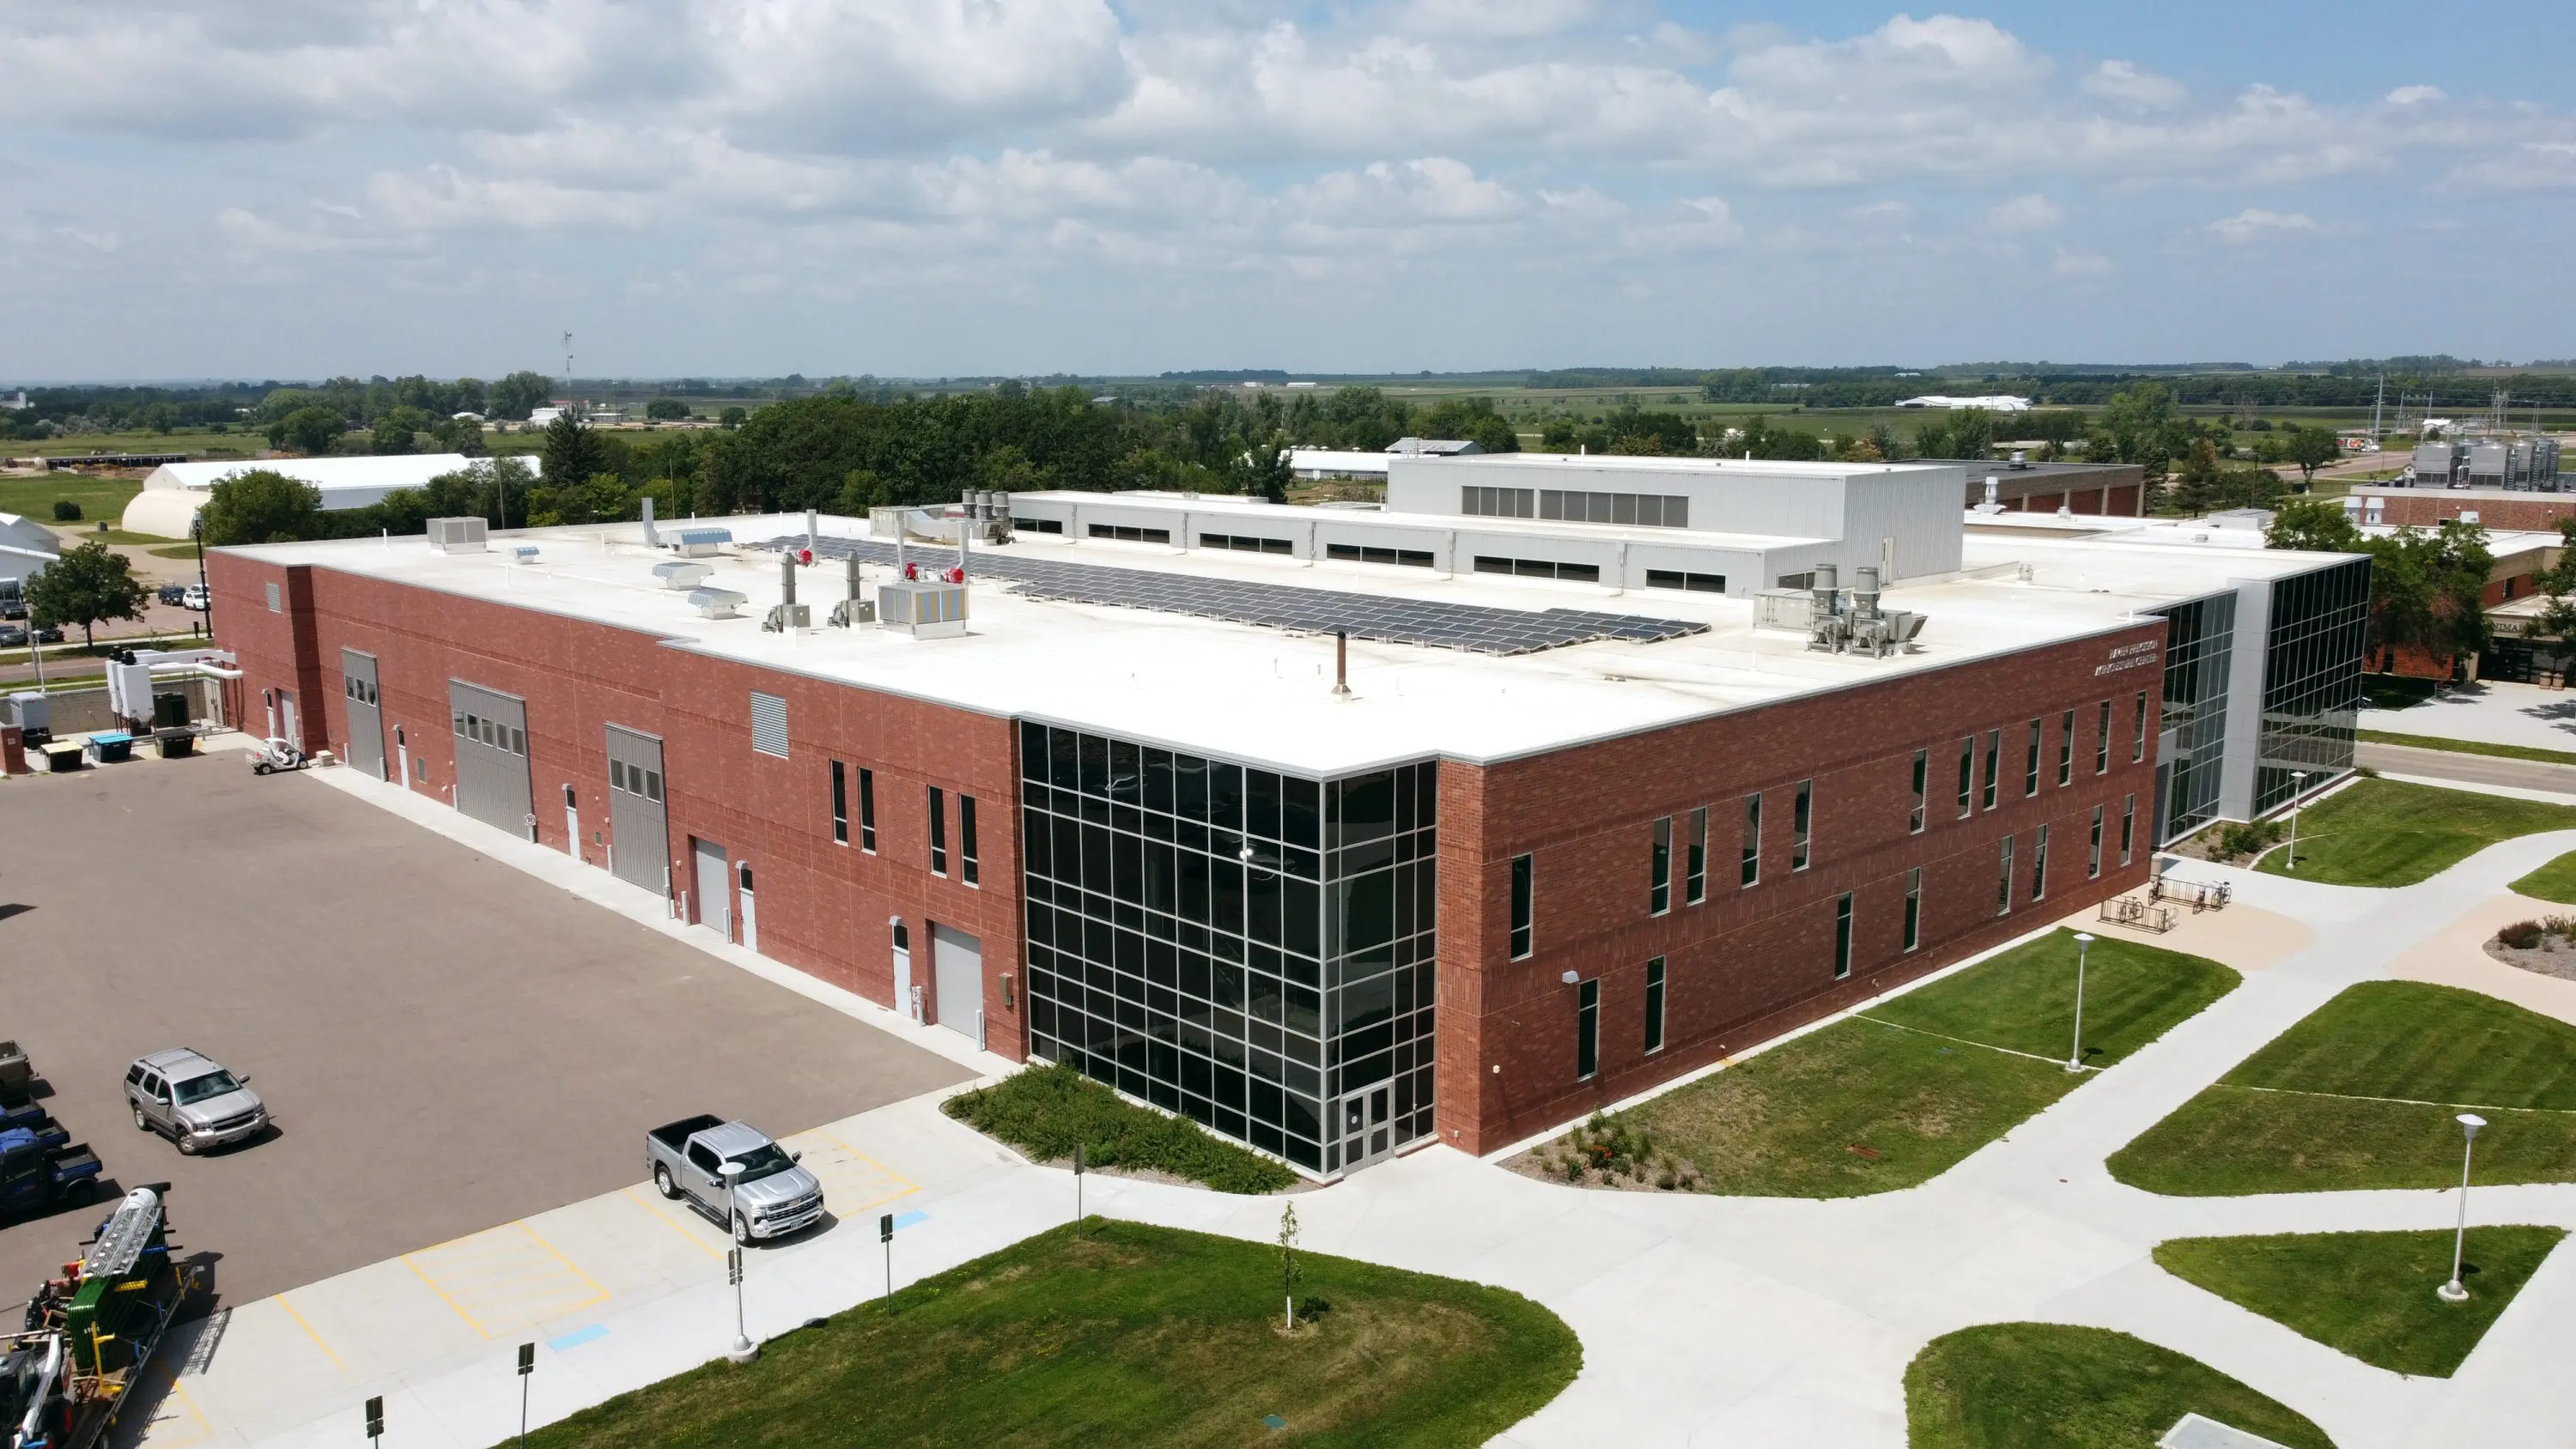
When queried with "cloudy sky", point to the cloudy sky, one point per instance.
{"points": [[287, 188]]}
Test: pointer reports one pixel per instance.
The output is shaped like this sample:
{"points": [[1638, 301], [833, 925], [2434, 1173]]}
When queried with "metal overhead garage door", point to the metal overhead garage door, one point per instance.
{"points": [[366, 721], [639, 822], [492, 758]]}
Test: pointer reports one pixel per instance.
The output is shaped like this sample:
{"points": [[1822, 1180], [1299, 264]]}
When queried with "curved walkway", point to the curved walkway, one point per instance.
{"points": [[1770, 1321]]}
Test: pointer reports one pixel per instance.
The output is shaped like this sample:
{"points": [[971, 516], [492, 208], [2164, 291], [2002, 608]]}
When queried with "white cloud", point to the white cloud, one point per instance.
{"points": [[2124, 82], [2255, 222], [2083, 264], [2025, 213], [2415, 95]]}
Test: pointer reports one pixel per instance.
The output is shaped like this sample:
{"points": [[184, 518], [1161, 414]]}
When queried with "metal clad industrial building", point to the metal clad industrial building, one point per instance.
{"points": [[492, 757], [639, 819], [366, 720]]}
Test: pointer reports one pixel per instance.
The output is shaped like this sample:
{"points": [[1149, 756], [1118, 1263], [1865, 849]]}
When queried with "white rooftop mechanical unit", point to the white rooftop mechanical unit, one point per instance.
{"points": [[677, 575], [1851, 622], [700, 542], [787, 616], [459, 535], [715, 603]]}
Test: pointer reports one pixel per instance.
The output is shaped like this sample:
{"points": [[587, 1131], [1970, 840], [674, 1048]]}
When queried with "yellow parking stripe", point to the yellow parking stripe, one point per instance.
{"points": [[309, 1333], [493, 1270], [665, 1220]]}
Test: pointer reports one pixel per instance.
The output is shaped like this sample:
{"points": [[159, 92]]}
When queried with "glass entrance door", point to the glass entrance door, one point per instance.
{"points": [[1366, 1134]]}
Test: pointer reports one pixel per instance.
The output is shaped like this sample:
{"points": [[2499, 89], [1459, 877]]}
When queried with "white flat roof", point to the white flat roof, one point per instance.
{"points": [[398, 470], [1249, 693]]}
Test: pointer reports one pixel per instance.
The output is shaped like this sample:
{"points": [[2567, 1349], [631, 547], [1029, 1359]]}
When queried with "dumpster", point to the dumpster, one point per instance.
{"points": [[63, 758], [175, 744], [112, 747]]}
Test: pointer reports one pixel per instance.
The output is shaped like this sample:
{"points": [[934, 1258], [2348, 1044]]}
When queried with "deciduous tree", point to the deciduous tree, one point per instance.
{"points": [[83, 586]]}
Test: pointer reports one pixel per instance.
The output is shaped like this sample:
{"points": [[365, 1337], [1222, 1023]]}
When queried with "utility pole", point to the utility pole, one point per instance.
{"points": [[2376, 404], [568, 398]]}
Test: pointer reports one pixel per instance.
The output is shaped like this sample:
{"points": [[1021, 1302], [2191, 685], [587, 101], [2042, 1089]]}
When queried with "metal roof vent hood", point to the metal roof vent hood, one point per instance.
{"points": [[459, 535], [717, 603], [679, 575]]}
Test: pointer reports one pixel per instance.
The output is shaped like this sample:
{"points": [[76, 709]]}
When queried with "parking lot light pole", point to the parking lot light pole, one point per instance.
{"points": [[2075, 1055], [2455, 1291], [743, 1350], [2298, 783]]}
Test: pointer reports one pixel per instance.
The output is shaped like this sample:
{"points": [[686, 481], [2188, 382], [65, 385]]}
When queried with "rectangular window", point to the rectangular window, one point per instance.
{"points": [[966, 839], [273, 601], [1695, 876], [1478, 502], [2138, 747], [2030, 773], [938, 832], [1676, 579], [1521, 903], [868, 810], [2004, 884], [1527, 568], [1752, 837], [769, 724], [2039, 866], [1246, 543], [1124, 534], [1967, 776], [1913, 908], [2128, 826], [2093, 856], [840, 805], [1587, 1028], [1994, 764], [1842, 936], [1654, 1006], [2066, 751], [1659, 879], [1037, 525], [1801, 823], [1922, 783], [1413, 558], [1649, 510], [2102, 745]]}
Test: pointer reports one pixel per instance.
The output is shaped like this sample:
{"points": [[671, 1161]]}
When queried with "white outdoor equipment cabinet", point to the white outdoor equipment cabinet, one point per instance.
{"points": [[923, 610]]}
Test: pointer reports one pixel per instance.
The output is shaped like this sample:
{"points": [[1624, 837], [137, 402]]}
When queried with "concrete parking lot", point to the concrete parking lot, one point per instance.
{"points": [[446, 1043]]}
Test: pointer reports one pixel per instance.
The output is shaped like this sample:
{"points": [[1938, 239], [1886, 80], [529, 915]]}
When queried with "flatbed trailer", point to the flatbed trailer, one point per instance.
{"points": [[66, 1377]]}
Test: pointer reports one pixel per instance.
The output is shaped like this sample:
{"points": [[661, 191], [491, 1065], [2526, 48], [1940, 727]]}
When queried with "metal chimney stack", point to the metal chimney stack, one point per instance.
{"points": [[787, 578], [652, 539], [1865, 593], [1822, 585], [813, 536]]}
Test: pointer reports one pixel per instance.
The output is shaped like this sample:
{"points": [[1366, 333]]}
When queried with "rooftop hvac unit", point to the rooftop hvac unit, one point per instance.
{"points": [[682, 575], [923, 610], [525, 553], [700, 542], [717, 603], [458, 535]]}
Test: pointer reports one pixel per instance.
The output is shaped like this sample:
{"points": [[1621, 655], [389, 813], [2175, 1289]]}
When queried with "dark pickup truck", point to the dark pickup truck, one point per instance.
{"points": [[39, 1171]]}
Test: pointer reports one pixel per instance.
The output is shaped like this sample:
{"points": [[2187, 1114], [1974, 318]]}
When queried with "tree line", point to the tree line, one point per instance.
{"points": [[2426, 585]]}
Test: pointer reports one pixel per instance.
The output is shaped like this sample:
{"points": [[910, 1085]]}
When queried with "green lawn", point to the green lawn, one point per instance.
{"points": [[98, 497], [2370, 1294], [2050, 1386], [2555, 881], [1045, 1110], [1135, 1336], [1865, 1106], [2389, 833], [2468, 747], [2423, 1044]]}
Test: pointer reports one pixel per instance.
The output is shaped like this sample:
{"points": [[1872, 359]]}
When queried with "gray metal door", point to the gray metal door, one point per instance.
{"points": [[957, 969], [639, 820], [715, 886], [492, 758], [366, 719]]}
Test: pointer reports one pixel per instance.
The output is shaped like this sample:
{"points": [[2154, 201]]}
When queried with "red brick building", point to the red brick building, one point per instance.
{"points": [[1475, 897]]}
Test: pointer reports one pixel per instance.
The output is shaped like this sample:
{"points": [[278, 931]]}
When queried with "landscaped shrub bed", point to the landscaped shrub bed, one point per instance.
{"points": [[1045, 1110]]}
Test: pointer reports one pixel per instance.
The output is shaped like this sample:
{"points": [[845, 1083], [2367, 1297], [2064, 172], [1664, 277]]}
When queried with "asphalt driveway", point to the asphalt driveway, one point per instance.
{"points": [[447, 1044]]}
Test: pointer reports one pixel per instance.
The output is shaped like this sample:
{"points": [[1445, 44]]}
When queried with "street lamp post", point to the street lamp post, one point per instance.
{"points": [[2455, 1291], [2083, 946], [743, 1350], [2298, 783]]}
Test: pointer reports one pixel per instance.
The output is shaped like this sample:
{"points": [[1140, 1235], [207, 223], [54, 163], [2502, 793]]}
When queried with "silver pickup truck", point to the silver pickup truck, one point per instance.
{"points": [[775, 1196]]}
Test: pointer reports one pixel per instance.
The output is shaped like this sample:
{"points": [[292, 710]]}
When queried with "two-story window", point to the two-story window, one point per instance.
{"points": [[2066, 750], [2030, 775], [1802, 825], [1967, 776], [2102, 743], [1913, 908], [1922, 783], [1695, 873], [2138, 746], [1753, 837], [1994, 766], [1659, 868], [1522, 901], [938, 832], [1842, 936], [2093, 856], [1654, 1006]]}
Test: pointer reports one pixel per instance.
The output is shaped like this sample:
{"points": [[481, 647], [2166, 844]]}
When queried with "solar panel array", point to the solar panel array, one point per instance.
{"points": [[1433, 623]]}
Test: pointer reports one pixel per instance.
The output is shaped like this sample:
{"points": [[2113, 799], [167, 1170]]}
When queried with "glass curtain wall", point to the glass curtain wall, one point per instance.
{"points": [[2312, 679], [1245, 947], [2199, 645]]}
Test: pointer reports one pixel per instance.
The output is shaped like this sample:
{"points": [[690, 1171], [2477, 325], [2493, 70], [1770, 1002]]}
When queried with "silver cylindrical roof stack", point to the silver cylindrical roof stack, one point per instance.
{"points": [[1865, 592], [786, 578], [1823, 586]]}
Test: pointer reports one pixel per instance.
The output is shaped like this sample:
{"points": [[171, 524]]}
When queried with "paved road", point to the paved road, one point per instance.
{"points": [[2474, 769], [447, 1043]]}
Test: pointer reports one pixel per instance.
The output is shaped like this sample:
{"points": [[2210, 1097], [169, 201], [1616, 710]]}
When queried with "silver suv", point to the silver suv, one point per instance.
{"points": [[185, 1096]]}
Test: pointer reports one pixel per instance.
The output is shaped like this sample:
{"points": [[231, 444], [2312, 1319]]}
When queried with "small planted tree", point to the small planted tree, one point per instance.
{"points": [[1289, 1273]]}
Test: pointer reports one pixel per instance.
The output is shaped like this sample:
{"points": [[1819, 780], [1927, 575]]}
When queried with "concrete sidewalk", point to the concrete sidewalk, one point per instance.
{"points": [[1704, 1320]]}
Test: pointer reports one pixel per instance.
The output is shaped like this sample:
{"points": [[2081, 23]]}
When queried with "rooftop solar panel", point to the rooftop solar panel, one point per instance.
{"points": [[1477, 628]]}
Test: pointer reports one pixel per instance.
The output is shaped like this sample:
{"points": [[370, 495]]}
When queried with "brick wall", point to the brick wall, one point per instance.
{"points": [[1753, 962], [823, 907], [2429, 507]]}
